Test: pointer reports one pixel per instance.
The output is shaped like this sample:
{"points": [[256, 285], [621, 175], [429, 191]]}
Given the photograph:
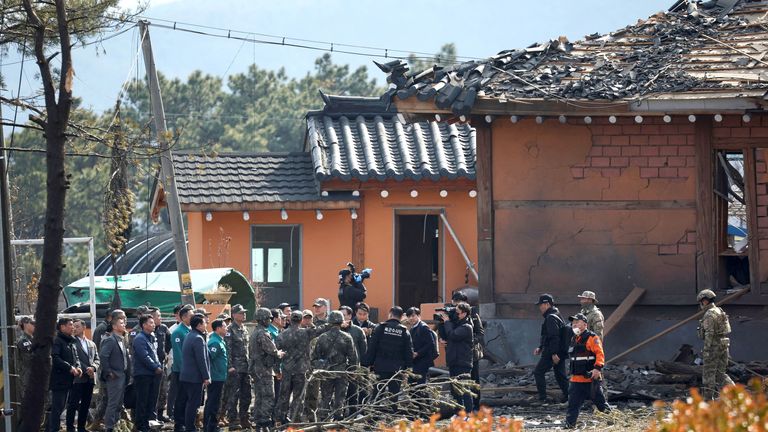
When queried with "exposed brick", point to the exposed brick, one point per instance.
{"points": [[668, 249], [763, 244], [596, 151], [686, 172], [668, 172], [657, 161], [690, 140], [612, 151], [600, 140], [667, 129], [731, 121], [611, 172], [620, 140], [690, 161], [612, 130], [630, 129], [577, 172], [762, 200], [657, 140], [721, 132], [762, 189], [649, 151], [676, 161], [762, 211], [686, 249], [677, 140], [640, 161], [740, 132], [630, 151], [619, 162], [649, 172], [593, 172], [762, 222], [638, 139], [649, 129], [690, 237], [686, 150], [600, 162], [668, 151], [759, 132], [687, 128]]}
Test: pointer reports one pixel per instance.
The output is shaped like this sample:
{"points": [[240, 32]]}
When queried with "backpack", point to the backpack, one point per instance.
{"points": [[566, 334]]}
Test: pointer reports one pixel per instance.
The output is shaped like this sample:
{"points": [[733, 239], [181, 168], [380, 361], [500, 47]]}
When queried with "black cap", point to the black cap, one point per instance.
{"points": [[459, 296], [545, 298], [282, 306], [578, 316]]}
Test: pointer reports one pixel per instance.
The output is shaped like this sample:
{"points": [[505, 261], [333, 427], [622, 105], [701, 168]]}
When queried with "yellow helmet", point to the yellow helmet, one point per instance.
{"points": [[706, 294]]}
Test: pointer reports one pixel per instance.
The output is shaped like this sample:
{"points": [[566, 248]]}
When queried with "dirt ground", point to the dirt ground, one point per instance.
{"points": [[552, 418]]}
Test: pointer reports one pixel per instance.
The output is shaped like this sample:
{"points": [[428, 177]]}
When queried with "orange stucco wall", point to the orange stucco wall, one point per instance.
{"points": [[327, 244]]}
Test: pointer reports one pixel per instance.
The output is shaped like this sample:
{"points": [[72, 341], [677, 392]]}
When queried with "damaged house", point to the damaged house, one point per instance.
{"points": [[616, 164]]}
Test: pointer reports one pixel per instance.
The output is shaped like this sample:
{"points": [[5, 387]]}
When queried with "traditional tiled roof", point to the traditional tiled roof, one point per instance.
{"points": [[244, 178], [716, 48], [380, 146]]}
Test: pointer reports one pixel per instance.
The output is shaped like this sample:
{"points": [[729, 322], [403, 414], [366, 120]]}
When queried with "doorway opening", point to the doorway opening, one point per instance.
{"points": [[418, 255], [732, 209]]}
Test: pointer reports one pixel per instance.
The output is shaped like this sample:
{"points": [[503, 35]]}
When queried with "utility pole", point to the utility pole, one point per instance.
{"points": [[167, 172]]}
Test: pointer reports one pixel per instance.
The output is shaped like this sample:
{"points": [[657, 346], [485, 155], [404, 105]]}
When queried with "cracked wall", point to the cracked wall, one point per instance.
{"points": [[602, 207]]}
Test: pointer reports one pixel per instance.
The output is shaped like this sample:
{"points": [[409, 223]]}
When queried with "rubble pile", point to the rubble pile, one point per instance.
{"points": [[652, 56]]}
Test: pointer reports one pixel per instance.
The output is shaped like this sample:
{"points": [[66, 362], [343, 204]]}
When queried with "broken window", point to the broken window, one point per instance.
{"points": [[731, 209]]}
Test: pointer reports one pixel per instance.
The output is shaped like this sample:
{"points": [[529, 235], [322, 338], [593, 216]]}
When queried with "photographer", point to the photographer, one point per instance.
{"points": [[351, 288], [478, 331], [456, 329]]}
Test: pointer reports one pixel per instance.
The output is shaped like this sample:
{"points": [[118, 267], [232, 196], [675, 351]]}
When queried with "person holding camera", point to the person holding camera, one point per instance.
{"points": [[478, 332], [351, 288], [456, 330], [552, 348]]}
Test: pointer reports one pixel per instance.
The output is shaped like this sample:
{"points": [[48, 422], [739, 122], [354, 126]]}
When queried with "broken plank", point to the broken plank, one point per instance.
{"points": [[622, 310], [674, 368]]}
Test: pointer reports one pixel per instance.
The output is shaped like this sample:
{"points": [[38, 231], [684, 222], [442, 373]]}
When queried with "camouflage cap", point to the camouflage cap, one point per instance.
{"points": [[321, 302], [238, 308], [588, 295], [224, 317], [307, 313], [296, 315]]}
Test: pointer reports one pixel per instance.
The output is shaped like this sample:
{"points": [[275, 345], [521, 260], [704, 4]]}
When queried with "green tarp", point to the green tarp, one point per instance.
{"points": [[161, 289]]}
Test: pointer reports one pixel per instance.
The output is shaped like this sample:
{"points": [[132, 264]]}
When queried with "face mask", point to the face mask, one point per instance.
{"points": [[577, 331]]}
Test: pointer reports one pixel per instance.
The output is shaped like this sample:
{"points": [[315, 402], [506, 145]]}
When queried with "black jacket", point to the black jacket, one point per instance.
{"points": [[390, 348], [63, 358], [163, 337], [458, 352], [550, 333], [350, 295], [424, 345]]}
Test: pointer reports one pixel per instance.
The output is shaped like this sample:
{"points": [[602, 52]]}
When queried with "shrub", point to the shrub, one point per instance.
{"points": [[482, 421], [738, 409]]}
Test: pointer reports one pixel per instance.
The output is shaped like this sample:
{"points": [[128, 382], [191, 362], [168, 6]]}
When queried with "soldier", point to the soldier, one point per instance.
{"points": [[24, 355], [163, 337], [595, 320], [264, 357], [307, 319], [334, 351], [714, 329], [320, 308], [238, 381]]}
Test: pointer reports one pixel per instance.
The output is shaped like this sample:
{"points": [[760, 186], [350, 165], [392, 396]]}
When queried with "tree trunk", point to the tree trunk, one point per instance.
{"points": [[49, 287]]}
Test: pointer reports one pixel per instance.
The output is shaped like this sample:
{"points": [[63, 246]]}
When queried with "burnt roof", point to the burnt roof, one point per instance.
{"points": [[363, 139], [717, 46]]}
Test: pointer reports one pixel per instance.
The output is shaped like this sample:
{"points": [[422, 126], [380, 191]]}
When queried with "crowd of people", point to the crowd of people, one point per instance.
{"points": [[257, 378]]}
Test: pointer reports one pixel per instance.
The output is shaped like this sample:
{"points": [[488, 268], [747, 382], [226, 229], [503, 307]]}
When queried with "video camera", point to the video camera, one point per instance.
{"points": [[358, 278], [449, 310]]}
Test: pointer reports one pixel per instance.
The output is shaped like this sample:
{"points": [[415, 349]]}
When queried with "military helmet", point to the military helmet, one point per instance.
{"points": [[706, 294], [335, 317], [263, 314]]}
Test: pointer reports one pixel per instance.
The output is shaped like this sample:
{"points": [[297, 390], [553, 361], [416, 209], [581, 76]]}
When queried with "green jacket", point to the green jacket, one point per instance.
{"points": [[177, 340], [217, 351]]}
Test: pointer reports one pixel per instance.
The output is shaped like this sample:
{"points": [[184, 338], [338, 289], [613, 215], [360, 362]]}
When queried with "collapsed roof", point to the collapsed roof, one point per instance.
{"points": [[712, 47]]}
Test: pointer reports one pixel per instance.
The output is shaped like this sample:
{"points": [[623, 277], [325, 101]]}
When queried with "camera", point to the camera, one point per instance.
{"points": [[449, 310], [357, 278]]}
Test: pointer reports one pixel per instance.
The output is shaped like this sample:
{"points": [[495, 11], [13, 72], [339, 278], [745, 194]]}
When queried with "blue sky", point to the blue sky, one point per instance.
{"points": [[479, 29]]}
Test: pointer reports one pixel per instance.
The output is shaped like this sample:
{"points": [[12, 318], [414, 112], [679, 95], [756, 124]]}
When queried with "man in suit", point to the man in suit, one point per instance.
{"points": [[82, 389], [424, 344], [195, 374], [65, 367], [115, 370], [146, 372]]}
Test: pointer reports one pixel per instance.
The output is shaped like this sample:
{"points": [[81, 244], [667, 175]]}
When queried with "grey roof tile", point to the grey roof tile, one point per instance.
{"points": [[377, 146]]}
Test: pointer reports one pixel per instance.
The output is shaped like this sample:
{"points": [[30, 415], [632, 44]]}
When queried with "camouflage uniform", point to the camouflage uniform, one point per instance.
{"points": [[334, 351], [23, 358], [295, 341], [714, 329], [595, 319], [262, 364], [238, 387]]}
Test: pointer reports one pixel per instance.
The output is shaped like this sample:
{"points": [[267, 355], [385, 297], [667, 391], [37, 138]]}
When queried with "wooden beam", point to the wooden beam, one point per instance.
{"points": [[622, 310], [728, 143], [700, 313], [358, 237], [750, 193], [259, 206], [705, 232], [484, 170], [597, 205]]}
